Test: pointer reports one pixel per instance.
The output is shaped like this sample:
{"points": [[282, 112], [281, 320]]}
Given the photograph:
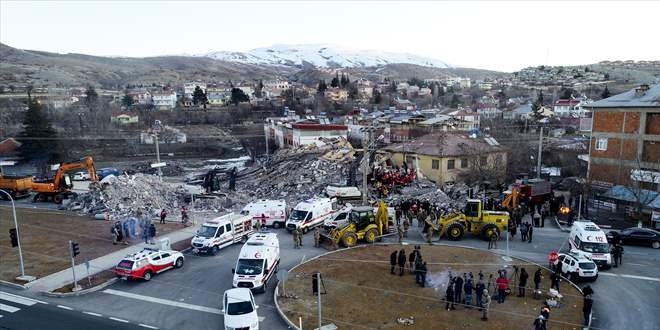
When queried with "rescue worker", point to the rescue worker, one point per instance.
{"points": [[587, 304], [458, 289], [449, 296], [537, 279], [317, 237], [421, 271], [429, 235], [530, 231], [480, 289], [257, 225], [393, 259], [617, 252], [296, 239], [406, 225], [163, 215], [115, 234], [485, 306], [399, 230]]}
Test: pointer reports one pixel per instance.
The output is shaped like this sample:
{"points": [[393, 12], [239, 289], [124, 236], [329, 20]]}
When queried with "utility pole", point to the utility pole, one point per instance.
{"points": [[160, 173], [318, 286], [23, 277], [365, 165], [538, 161]]}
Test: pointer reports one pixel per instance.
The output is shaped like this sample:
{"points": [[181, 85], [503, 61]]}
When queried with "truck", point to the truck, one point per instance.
{"points": [[311, 213], [258, 260], [535, 191], [16, 186], [221, 232], [272, 211], [59, 186]]}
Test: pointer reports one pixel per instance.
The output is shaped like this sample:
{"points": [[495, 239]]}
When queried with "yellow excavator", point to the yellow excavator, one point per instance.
{"points": [[475, 220], [362, 224], [59, 187]]}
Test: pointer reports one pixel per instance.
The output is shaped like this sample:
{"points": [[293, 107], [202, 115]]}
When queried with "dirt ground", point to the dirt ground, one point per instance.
{"points": [[362, 294], [44, 239]]}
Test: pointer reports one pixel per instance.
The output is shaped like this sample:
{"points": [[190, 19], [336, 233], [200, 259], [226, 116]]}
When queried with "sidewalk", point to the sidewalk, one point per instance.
{"points": [[64, 277]]}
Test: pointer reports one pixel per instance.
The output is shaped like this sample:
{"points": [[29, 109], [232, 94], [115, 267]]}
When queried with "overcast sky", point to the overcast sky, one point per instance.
{"points": [[496, 35]]}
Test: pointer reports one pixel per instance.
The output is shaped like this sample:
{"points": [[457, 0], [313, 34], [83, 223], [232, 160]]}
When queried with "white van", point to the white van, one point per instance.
{"points": [[258, 260], [222, 231], [586, 236], [311, 213], [273, 210]]}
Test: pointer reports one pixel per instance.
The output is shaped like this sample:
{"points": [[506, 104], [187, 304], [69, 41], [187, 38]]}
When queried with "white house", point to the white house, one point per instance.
{"points": [[165, 100]]}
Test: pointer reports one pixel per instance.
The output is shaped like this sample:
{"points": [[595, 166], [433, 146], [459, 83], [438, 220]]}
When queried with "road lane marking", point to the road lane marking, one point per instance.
{"points": [[642, 277], [632, 276], [147, 326], [93, 314], [65, 307], [20, 299], [7, 308], [118, 320], [163, 301]]}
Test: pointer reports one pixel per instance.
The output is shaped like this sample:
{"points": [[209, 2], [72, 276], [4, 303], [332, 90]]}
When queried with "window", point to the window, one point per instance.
{"points": [[228, 227], [601, 144], [450, 164], [464, 163], [435, 164], [221, 230], [165, 255]]}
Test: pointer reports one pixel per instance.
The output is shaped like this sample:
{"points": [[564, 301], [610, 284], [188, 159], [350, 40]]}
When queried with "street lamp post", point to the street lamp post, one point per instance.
{"points": [[23, 277]]}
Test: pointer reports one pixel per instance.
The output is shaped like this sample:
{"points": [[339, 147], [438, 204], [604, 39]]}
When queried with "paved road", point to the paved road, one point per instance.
{"points": [[189, 298], [18, 313]]}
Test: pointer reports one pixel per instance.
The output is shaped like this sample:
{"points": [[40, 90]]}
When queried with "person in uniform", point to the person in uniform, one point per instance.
{"points": [[317, 237]]}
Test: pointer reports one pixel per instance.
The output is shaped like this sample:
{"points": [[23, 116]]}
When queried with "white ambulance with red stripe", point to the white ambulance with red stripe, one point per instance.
{"points": [[271, 213], [587, 237], [311, 213], [222, 231], [257, 262]]}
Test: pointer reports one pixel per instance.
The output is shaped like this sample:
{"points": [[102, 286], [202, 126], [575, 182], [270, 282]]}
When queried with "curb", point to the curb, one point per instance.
{"points": [[561, 227], [81, 292], [294, 326], [13, 285]]}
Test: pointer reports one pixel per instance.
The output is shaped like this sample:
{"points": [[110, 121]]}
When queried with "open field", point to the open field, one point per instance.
{"points": [[362, 294], [44, 239]]}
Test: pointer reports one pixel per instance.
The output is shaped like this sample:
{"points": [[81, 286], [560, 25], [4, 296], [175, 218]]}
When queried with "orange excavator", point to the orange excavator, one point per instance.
{"points": [[511, 201], [59, 187]]}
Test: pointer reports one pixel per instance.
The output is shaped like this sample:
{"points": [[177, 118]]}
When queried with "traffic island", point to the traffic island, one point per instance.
{"points": [[358, 291]]}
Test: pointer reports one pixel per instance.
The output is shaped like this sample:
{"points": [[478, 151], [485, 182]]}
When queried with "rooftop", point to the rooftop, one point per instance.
{"points": [[640, 97], [445, 145]]}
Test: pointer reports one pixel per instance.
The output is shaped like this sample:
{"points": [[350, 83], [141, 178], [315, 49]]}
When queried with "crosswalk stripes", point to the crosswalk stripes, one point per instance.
{"points": [[9, 303]]}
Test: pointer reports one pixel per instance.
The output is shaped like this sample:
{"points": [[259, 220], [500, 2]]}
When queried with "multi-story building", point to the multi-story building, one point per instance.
{"points": [[292, 131], [625, 139], [165, 100]]}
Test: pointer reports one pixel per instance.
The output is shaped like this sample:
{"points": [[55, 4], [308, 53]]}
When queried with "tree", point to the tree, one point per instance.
{"points": [[199, 97], [377, 97], [38, 137], [258, 91], [127, 101], [455, 101], [238, 96], [343, 82], [335, 81], [92, 97], [322, 86], [606, 93], [567, 93], [352, 91]]}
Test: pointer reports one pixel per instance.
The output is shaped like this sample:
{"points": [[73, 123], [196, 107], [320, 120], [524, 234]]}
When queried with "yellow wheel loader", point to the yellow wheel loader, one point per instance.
{"points": [[362, 224], [475, 221]]}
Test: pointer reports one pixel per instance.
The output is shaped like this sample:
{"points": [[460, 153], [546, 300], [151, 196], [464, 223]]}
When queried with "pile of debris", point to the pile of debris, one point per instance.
{"points": [[173, 168], [124, 195]]}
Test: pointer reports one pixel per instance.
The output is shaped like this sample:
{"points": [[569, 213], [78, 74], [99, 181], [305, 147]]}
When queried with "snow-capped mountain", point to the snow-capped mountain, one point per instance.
{"points": [[322, 56]]}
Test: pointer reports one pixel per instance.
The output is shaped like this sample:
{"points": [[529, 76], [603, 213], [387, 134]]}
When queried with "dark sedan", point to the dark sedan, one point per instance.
{"points": [[636, 236]]}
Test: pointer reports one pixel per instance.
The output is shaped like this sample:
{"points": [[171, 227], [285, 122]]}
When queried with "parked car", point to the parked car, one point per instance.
{"points": [[636, 236], [81, 176], [240, 310], [577, 265], [148, 262]]}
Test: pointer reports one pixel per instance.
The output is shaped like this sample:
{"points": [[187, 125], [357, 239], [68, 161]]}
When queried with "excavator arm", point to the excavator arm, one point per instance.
{"points": [[84, 163], [511, 201]]}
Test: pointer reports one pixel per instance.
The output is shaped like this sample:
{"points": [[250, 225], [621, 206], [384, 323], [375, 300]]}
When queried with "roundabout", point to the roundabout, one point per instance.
{"points": [[359, 292]]}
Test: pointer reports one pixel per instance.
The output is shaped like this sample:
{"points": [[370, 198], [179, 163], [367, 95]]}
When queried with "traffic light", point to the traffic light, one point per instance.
{"points": [[13, 236], [75, 250]]}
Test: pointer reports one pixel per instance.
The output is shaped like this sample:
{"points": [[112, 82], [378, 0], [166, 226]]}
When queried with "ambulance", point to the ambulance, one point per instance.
{"points": [[311, 213], [222, 231], [273, 210], [587, 237], [257, 262]]}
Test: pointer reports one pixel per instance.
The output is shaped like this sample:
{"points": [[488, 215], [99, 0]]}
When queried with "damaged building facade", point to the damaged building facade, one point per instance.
{"points": [[292, 131], [445, 157]]}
